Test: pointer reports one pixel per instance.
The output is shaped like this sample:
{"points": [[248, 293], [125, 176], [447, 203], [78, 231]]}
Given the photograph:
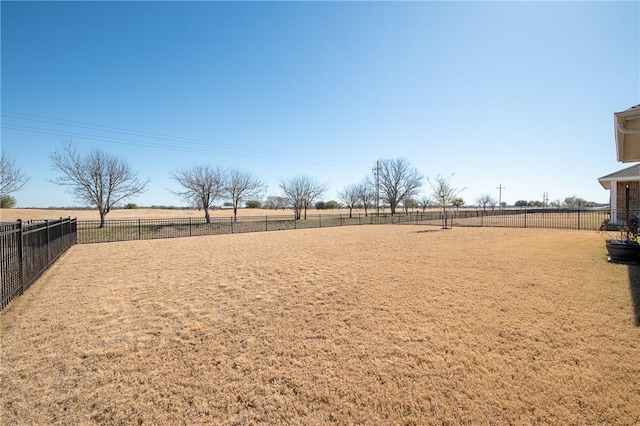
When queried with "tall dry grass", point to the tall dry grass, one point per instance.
{"points": [[354, 325]]}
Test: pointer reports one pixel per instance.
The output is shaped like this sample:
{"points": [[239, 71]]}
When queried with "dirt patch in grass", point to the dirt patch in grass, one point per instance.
{"points": [[354, 325]]}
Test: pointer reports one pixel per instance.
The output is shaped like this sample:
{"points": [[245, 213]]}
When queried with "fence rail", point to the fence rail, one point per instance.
{"points": [[27, 249], [578, 219], [89, 231]]}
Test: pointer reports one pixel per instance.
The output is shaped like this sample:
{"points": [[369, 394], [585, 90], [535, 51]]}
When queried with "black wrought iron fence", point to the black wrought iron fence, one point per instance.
{"points": [[27, 249], [89, 231], [578, 219]]}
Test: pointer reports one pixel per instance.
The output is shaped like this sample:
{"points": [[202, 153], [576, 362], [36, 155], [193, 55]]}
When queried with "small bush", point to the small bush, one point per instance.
{"points": [[332, 204], [7, 202]]}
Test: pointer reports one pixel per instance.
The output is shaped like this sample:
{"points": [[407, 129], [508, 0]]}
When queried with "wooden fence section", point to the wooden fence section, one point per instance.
{"points": [[27, 249]]}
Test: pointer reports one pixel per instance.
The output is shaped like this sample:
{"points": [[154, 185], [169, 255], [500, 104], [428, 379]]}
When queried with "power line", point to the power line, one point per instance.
{"points": [[197, 143], [138, 133], [143, 134]]}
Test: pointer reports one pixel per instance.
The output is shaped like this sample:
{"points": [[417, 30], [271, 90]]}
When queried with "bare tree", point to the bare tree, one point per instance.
{"points": [[294, 193], [350, 196], [240, 186], [97, 179], [485, 200], [201, 185], [11, 177], [275, 202], [443, 193], [574, 202], [424, 203], [398, 180], [366, 195], [409, 204], [301, 191], [457, 202]]}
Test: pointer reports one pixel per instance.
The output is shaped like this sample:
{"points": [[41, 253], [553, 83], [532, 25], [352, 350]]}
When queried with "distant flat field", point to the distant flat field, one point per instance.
{"points": [[29, 214], [356, 325]]}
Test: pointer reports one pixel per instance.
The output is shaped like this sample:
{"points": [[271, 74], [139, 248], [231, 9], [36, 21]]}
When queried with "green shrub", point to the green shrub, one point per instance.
{"points": [[7, 202]]}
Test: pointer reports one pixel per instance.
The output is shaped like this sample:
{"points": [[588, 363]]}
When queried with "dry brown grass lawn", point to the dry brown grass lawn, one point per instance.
{"points": [[353, 325]]}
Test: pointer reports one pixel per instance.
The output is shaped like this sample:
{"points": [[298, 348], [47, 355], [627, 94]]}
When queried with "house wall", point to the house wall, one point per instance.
{"points": [[634, 195]]}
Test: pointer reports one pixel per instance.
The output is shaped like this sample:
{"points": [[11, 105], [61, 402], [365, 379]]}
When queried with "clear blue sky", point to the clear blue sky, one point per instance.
{"points": [[518, 94]]}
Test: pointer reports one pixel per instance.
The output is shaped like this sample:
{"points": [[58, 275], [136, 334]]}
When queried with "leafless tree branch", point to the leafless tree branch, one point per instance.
{"points": [[200, 186], [398, 180], [11, 177], [97, 179], [240, 186]]}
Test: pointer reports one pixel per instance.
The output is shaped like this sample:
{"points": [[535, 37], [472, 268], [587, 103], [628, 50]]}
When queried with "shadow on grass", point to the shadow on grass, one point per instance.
{"points": [[427, 230], [634, 288]]}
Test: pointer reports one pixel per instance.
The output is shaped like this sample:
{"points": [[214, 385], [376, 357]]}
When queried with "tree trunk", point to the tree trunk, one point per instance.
{"points": [[350, 210], [235, 213], [444, 217], [206, 215], [102, 215]]}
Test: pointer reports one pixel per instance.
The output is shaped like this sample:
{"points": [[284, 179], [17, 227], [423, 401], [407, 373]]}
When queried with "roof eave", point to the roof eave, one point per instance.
{"points": [[627, 132], [606, 184]]}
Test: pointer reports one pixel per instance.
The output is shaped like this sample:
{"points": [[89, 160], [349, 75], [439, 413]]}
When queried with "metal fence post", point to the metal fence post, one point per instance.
{"points": [[525, 218], [319, 221], [46, 222], [20, 255], [139, 229], [266, 222], [231, 221], [578, 219], [189, 226]]}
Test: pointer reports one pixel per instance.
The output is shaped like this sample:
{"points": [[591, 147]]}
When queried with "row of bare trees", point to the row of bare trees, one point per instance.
{"points": [[395, 182], [103, 180], [201, 185], [300, 192]]}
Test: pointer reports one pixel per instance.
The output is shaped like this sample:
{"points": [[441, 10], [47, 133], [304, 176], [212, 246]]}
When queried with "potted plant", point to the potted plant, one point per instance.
{"points": [[626, 249]]}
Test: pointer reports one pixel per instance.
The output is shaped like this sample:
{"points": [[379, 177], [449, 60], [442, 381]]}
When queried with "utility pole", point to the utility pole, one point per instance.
{"points": [[545, 199], [500, 195], [377, 172]]}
